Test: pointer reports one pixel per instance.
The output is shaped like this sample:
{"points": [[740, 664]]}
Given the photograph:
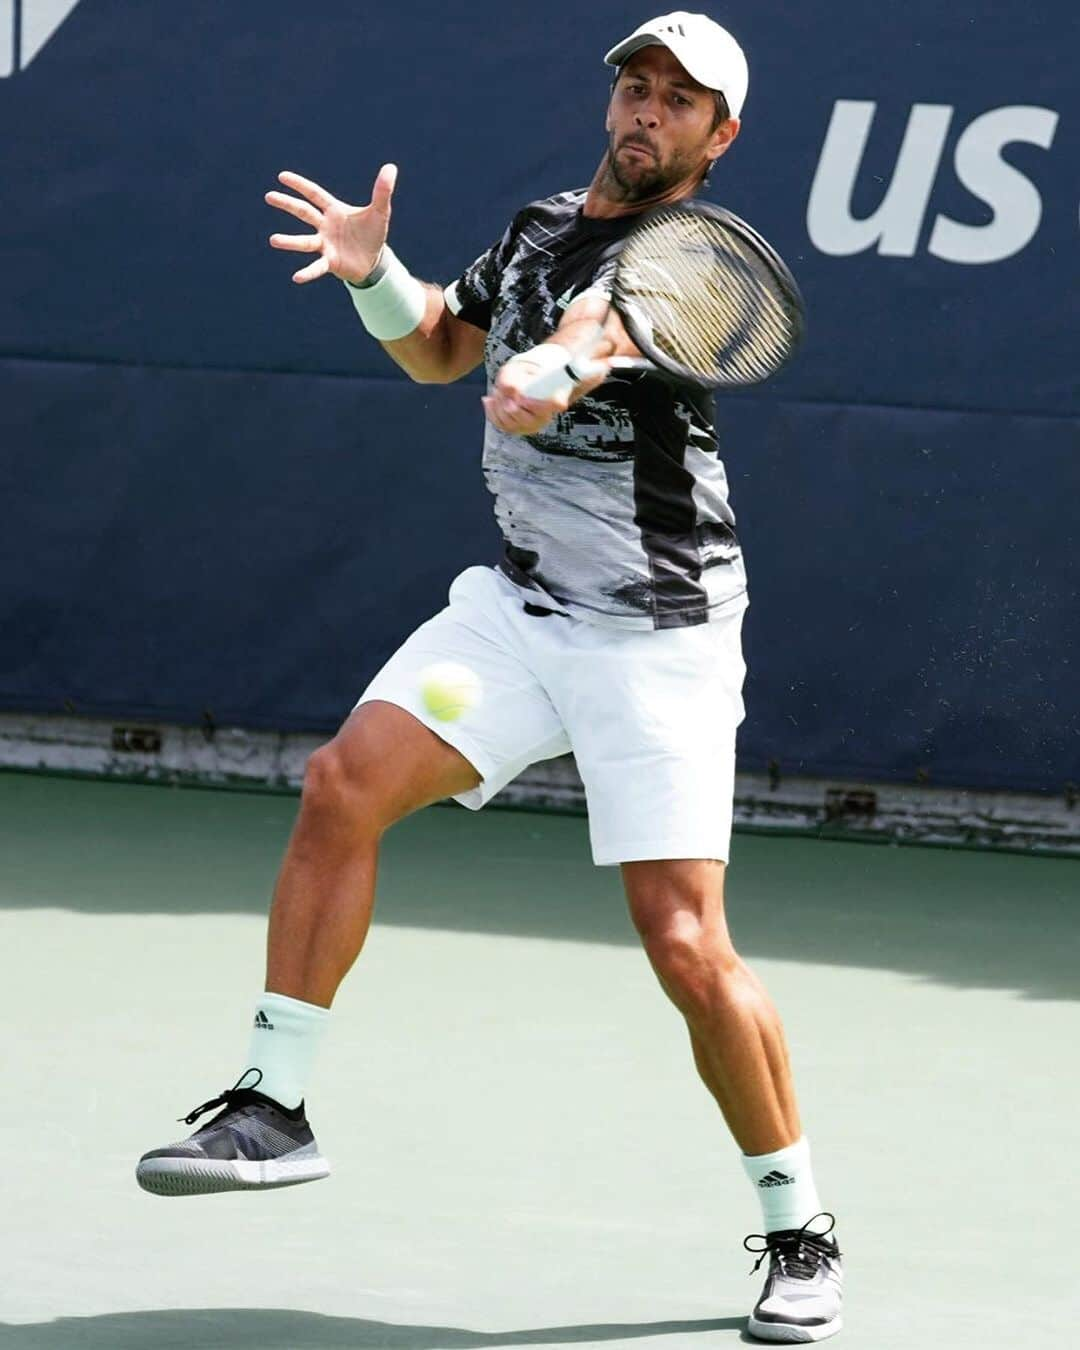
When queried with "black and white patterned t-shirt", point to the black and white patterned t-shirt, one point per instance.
{"points": [[617, 512]]}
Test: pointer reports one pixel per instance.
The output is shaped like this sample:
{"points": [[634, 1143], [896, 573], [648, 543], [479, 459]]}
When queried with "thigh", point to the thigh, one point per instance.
{"points": [[398, 762], [653, 730], [512, 724]]}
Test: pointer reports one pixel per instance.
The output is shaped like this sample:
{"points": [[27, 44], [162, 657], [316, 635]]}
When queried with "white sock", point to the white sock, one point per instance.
{"points": [[785, 1186], [284, 1039]]}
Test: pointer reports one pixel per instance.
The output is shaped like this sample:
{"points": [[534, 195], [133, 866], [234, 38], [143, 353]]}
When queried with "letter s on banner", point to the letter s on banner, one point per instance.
{"points": [[895, 225], [1014, 199]]}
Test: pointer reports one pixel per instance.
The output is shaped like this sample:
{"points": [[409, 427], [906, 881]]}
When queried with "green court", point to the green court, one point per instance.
{"points": [[522, 1153]]}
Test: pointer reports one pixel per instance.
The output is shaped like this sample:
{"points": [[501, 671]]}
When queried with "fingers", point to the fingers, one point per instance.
{"points": [[312, 272], [297, 243], [496, 412], [511, 409], [385, 182], [312, 191], [520, 417], [301, 210]]}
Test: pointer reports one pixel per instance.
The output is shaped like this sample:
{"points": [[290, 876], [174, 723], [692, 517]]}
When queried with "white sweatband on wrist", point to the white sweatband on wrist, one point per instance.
{"points": [[553, 379], [560, 370], [392, 307]]}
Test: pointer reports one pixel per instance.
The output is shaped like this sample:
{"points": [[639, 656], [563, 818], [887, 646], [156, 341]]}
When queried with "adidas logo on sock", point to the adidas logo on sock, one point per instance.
{"points": [[263, 1022], [775, 1178]]}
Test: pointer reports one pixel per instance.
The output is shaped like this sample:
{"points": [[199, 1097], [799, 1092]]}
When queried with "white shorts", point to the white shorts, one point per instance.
{"points": [[649, 714]]}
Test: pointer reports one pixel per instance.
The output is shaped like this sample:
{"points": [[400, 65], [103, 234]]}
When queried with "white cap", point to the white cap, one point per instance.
{"points": [[705, 50]]}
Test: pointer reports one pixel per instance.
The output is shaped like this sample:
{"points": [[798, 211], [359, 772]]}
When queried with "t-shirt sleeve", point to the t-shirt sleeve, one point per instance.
{"points": [[603, 279], [471, 296]]}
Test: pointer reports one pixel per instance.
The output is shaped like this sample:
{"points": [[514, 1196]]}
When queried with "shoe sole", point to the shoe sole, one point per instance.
{"points": [[788, 1334], [197, 1176]]}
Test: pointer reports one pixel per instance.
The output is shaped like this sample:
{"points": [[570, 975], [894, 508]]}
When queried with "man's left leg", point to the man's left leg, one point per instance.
{"points": [[741, 1054]]}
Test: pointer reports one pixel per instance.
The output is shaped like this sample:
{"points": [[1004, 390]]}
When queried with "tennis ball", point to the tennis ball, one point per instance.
{"points": [[449, 690]]}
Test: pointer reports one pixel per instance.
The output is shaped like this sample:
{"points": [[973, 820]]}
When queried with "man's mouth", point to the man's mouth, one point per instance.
{"points": [[639, 148]]}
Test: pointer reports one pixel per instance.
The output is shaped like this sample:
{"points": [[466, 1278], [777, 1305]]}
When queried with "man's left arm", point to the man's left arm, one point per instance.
{"points": [[511, 409]]}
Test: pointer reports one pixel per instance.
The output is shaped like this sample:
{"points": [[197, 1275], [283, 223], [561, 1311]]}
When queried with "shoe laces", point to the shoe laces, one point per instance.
{"points": [[231, 1097], [798, 1253]]}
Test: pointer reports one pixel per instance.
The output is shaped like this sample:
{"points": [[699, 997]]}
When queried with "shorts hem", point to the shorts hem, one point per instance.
{"points": [[658, 850]]}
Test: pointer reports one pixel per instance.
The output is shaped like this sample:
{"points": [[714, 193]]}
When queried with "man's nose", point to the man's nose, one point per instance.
{"points": [[648, 116]]}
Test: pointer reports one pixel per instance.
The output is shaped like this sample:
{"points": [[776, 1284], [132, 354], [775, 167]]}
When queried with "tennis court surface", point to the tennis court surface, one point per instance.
{"points": [[522, 1153]]}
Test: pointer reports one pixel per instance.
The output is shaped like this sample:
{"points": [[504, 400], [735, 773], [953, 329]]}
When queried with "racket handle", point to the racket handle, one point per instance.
{"points": [[632, 363], [578, 369]]}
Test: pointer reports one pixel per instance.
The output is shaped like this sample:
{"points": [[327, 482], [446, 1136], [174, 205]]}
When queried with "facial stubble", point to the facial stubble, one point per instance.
{"points": [[646, 185]]}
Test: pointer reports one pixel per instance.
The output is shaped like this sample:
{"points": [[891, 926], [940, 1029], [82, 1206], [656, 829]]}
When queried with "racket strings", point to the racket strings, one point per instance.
{"points": [[711, 303]]}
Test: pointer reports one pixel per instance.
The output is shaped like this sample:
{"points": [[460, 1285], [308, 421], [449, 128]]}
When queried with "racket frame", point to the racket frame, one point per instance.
{"points": [[653, 358]]}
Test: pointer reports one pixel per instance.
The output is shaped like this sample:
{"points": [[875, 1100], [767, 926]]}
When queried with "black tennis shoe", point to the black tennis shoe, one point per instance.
{"points": [[253, 1144], [802, 1297]]}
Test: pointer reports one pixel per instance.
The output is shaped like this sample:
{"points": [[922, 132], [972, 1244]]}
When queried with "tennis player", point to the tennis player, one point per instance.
{"points": [[610, 627]]}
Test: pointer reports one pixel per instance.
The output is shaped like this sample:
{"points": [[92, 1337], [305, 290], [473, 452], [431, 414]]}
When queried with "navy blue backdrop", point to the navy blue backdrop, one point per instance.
{"points": [[219, 495]]}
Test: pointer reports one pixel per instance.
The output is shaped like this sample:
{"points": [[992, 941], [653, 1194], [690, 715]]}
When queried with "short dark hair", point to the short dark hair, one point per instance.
{"points": [[723, 112]]}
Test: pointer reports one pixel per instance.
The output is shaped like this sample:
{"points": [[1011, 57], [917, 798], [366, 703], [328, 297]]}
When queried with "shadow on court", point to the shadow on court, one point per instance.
{"points": [[273, 1329], [962, 919]]}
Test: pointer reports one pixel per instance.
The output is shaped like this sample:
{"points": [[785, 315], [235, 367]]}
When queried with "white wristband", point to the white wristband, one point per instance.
{"points": [[394, 306], [553, 380], [560, 369]]}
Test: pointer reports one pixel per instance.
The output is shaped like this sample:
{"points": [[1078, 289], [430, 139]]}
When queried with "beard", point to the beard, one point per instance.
{"points": [[642, 180]]}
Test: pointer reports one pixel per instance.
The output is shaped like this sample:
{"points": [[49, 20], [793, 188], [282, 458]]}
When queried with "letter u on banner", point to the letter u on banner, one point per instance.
{"points": [[896, 224]]}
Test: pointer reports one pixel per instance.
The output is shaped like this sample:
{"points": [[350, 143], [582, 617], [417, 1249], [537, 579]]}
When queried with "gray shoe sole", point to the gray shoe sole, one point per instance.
{"points": [[788, 1334], [198, 1176]]}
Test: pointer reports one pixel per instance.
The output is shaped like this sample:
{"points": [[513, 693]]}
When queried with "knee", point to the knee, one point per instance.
{"points": [[335, 787], [697, 965]]}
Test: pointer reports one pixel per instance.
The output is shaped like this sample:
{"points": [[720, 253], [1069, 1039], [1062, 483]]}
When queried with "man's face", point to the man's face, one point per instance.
{"points": [[660, 127]]}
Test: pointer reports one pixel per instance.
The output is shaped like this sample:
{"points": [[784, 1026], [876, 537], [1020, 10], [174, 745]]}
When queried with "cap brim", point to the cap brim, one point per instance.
{"points": [[630, 45], [682, 52]]}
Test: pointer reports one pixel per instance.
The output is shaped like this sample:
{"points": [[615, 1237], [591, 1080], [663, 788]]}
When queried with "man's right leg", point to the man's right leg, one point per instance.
{"points": [[382, 765]]}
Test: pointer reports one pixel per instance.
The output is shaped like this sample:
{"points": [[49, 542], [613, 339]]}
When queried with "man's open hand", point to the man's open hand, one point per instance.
{"points": [[347, 238]]}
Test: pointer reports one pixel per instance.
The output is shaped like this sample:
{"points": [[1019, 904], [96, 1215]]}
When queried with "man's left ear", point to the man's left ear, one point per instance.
{"points": [[723, 136]]}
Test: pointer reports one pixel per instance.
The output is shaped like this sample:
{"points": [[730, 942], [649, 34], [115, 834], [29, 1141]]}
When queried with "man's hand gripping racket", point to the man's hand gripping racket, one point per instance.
{"points": [[702, 296]]}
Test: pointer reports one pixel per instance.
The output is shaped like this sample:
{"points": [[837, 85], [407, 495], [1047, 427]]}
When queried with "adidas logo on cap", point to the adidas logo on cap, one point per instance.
{"points": [[263, 1022], [775, 1178]]}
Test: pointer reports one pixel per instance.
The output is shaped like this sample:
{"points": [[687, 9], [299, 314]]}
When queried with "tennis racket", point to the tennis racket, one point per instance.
{"points": [[703, 297]]}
